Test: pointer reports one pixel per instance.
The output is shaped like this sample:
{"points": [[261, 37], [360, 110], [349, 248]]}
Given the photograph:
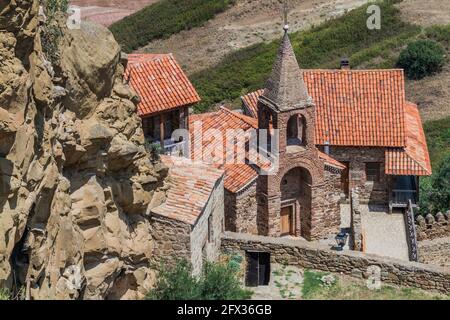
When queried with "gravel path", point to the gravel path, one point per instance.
{"points": [[385, 234]]}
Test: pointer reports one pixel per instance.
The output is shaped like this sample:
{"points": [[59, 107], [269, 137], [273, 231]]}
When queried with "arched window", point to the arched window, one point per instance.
{"points": [[296, 131]]}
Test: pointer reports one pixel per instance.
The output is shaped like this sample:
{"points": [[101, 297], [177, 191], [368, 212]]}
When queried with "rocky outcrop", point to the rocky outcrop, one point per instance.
{"points": [[76, 179]]}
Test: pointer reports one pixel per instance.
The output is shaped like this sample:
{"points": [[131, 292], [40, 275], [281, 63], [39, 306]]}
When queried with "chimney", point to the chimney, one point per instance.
{"points": [[345, 64]]}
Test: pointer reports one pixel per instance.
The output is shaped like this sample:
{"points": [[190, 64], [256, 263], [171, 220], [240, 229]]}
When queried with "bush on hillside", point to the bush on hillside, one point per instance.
{"points": [[219, 281], [163, 19], [435, 191], [422, 58]]}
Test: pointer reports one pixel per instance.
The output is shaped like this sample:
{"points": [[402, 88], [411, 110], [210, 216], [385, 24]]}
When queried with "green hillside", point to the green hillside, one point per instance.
{"points": [[320, 47], [164, 18]]}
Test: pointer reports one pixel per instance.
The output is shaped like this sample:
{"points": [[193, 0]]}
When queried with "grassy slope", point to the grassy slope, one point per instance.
{"points": [[343, 289], [321, 47], [164, 18]]}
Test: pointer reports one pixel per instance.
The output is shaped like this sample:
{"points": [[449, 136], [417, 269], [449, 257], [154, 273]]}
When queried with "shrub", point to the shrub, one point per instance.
{"points": [[163, 19], [4, 294], [435, 191], [219, 281], [422, 58]]}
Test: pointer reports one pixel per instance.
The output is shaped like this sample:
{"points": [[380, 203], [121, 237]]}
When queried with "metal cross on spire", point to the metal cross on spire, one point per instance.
{"points": [[285, 15]]}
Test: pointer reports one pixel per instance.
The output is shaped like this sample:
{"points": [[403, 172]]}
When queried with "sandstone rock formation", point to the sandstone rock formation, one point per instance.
{"points": [[76, 180]]}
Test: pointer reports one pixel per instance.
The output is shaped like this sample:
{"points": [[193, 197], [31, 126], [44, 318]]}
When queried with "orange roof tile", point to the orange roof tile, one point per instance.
{"points": [[354, 107], [414, 158], [238, 175], [192, 185], [250, 102], [331, 161], [160, 82]]}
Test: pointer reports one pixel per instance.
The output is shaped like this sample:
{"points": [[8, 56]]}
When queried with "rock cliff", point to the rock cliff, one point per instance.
{"points": [[76, 179]]}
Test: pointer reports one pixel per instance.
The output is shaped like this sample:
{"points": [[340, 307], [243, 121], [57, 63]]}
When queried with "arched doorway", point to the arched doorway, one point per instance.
{"points": [[295, 211]]}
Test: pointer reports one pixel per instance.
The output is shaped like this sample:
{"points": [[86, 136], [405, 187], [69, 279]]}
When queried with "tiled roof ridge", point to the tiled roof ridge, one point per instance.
{"points": [[249, 120]]}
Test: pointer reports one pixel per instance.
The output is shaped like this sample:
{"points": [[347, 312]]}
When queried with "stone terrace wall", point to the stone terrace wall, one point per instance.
{"points": [[431, 227], [436, 251], [315, 256]]}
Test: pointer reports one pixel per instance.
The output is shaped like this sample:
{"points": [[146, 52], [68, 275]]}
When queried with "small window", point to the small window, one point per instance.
{"points": [[373, 171], [210, 229]]}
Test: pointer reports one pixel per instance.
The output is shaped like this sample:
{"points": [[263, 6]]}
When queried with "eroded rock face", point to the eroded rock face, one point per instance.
{"points": [[75, 177]]}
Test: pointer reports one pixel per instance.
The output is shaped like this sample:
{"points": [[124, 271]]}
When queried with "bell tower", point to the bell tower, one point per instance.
{"points": [[285, 197]]}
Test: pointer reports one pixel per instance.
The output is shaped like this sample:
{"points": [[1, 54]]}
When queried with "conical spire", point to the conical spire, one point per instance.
{"points": [[286, 89]]}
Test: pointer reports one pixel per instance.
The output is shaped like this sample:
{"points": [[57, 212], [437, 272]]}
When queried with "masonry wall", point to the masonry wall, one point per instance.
{"points": [[326, 205], [171, 240], [370, 192], [241, 210], [315, 256], [203, 248], [436, 251], [431, 227]]}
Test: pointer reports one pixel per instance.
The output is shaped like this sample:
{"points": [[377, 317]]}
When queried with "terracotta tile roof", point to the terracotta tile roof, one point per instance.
{"points": [[192, 185], [160, 82], [250, 102], [331, 161], [355, 107], [414, 158], [237, 176]]}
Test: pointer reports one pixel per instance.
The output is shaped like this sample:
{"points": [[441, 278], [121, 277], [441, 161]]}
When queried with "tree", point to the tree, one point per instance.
{"points": [[435, 191], [219, 281], [422, 58]]}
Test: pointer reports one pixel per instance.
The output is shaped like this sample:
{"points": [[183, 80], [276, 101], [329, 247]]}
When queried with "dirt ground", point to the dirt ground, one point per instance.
{"points": [[246, 23], [426, 13], [432, 94], [106, 12]]}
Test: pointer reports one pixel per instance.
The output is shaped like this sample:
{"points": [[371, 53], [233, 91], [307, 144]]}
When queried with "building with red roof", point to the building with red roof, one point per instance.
{"points": [[166, 95], [337, 130]]}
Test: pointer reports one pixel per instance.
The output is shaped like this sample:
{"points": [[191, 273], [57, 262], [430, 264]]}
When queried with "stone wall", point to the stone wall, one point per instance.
{"points": [[241, 210], [370, 192], [357, 241], [326, 206], [432, 227], [172, 239], [177, 240], [436, 251], [206, 235], [315, 256]]}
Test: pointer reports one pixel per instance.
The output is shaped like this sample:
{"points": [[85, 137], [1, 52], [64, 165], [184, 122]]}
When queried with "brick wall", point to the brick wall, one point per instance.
{"points": [[370, 192], [315, 256]]}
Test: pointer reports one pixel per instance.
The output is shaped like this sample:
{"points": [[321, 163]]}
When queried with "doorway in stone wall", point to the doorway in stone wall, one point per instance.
{"points": [[258, 269]]}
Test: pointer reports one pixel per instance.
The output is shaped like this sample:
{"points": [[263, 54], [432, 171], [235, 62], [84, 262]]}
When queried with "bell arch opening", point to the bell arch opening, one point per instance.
{"points": [[296, 131]]}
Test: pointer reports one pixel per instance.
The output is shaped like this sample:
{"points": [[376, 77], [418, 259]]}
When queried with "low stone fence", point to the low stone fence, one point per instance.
{"points": [[315, 256], [432, 227]]}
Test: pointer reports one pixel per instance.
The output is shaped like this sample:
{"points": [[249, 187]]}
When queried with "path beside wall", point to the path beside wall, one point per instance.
{"points": [[315, 256]]}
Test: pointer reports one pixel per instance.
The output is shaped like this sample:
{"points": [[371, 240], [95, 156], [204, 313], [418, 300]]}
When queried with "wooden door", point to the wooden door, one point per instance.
{"points": [[286, 220]]}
